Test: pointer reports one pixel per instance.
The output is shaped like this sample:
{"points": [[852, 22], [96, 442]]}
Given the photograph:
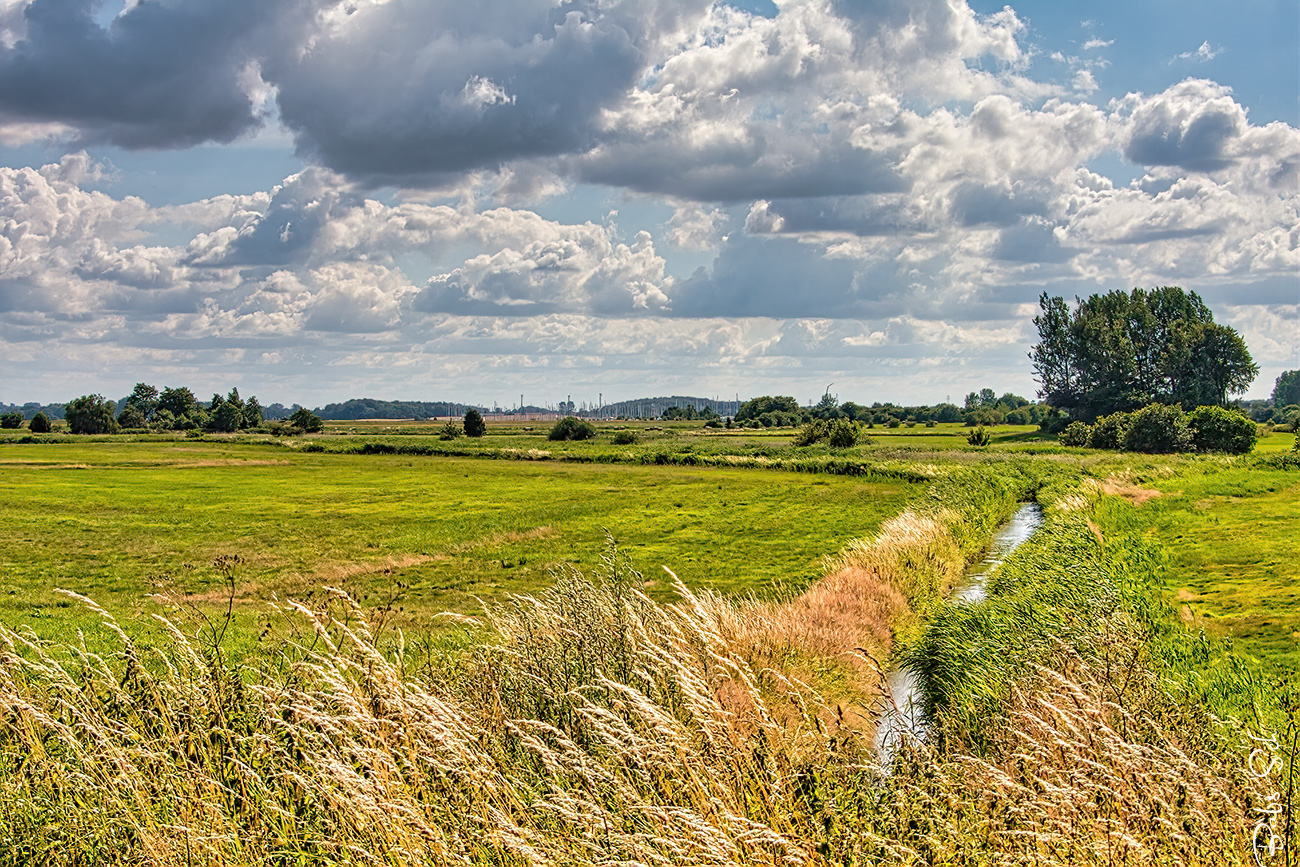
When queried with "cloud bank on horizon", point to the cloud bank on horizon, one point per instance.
{"points": [[626, 195]]}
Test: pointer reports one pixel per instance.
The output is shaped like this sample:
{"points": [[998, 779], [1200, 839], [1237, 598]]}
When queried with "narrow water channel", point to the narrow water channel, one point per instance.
{"points": [[904, 714]]}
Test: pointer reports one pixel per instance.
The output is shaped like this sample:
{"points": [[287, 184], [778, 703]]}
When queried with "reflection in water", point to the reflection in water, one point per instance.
{"points": [[904, 714]]}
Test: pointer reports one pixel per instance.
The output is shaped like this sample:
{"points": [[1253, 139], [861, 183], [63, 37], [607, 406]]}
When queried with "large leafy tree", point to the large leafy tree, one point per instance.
{"points": [[1286, 390], [90, 414], [1123, 350]]}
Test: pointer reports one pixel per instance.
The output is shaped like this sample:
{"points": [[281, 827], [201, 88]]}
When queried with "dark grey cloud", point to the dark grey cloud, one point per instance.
{"points": [[1195, 125], [974, 204], [761, 165], [160, 75], [416, 89], [1030, 240], [771, 277]]}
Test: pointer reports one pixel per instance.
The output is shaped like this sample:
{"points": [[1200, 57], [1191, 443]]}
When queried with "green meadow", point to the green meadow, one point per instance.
{"points": [[1099, 706], [137, 524]]}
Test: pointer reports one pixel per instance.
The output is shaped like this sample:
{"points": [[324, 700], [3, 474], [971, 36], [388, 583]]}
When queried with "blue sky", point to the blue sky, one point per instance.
{"points": [[436, 200]]}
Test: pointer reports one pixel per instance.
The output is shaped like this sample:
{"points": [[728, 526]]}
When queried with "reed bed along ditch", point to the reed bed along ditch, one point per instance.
{"points": [[591, 724]]}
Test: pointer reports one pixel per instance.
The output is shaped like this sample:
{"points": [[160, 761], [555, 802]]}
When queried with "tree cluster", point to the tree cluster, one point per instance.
{"points": [[1124, 350], [1163, 429]]}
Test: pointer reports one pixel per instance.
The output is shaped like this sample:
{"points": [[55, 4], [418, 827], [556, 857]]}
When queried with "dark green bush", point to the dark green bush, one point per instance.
{"points": [[1157, 429], [624, 438], [1215, 429], [40, 423], [449, 431], [978, 437], [13, 420], [1109, 431], [571, 428], [474, 424], [1076, 434]]}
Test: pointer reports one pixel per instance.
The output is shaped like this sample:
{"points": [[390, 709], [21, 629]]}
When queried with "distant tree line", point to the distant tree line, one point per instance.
{"points": [[358, 408], [984, 407], [149, 408]]}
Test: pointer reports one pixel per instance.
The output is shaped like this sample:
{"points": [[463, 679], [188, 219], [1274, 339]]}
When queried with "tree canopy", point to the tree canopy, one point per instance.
{"points": [[1123, 350], [1286, 391]]}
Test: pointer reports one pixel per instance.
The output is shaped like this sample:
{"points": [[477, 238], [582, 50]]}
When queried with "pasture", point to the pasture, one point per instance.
{"points": [[123, 521], [1097, 708]]}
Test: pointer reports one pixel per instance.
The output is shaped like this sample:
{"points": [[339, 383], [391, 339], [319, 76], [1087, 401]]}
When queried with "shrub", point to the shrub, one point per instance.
{"points": [[1158, 429], [306, 420], [474, 424], [40, 423], [929, 422], [893, 422], [979, 437], [812, 432], [1076, 434], [1108, 432], [571, 428], [1215, 429], [13, 420], [624, 438], [449, 431], [844, 433]]}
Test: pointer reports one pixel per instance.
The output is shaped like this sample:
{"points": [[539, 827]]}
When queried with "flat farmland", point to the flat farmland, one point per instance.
{"points": [[124, 522]]}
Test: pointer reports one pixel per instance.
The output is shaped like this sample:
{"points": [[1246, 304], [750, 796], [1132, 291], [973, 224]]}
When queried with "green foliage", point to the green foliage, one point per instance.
{"points": [[1158, 430], [1076, 434], [624, 438], [131, 416], [571, 428], [449, 430], [759, 406], [978, 437], [1109, 431], [227, 417], [90, 414], [1120, 351], [306, 420], [1286, 390], [813, 432], [844, 433], [1215, 429], [474, 425], [11, 420], [40, 423]]}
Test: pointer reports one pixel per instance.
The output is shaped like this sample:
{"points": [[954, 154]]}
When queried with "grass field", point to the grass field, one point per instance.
{"points": [[118, 521], [1077, 718], [1233, 542]]}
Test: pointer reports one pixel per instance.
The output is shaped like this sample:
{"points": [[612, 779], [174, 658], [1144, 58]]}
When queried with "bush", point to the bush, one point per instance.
{"points": [[812, 432], [11, 420], [624, 438], [474, 424], [1158, 429], [571, 428], [40, 423], [978, 437], [449, 431], [1109, 431], [844, 433], [1076, 434], [306, 420], [1215, 429]]}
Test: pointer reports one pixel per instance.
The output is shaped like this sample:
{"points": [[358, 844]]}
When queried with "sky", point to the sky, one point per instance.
{"points": [[314, 200]]}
